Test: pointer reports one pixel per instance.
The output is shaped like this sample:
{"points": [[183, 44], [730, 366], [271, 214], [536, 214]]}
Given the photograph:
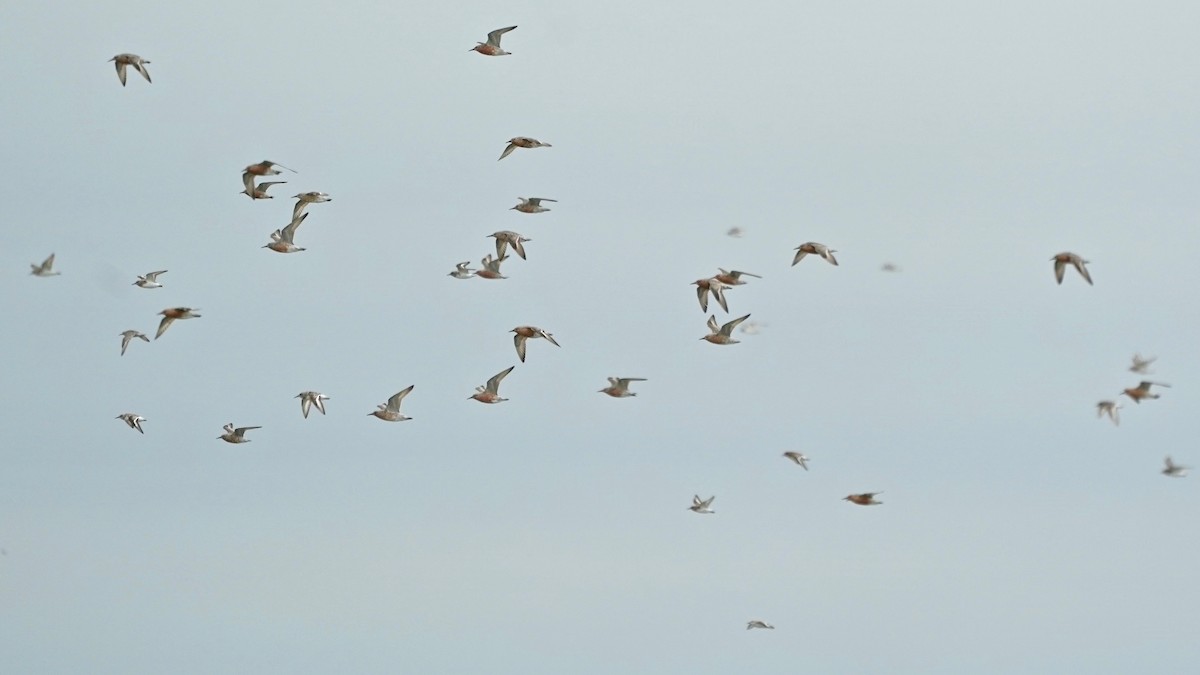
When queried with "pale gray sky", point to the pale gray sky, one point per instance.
{"points": [[550, 533]]}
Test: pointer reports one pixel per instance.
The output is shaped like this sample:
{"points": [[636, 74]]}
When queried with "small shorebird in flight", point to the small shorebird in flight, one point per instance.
{"points": [[618, 387], [506, 238], [283, 241], [128, 336], [1141, 366], [461, 271], [1060, 266], [170, 314], [1109, 408], [710, 285], [311, 399], [45, 269], [733, 277], [816, 249], [1143, 391], [864, 499], [702, 505], [522, 142], [150, 280], [759, 624], [722, 335], [492, 46], [491, 267], [491, 392], [532, 205], [305, 198], [124, 60], [258, 191], [237, 435], [134, 420], [735, 232], [1173, 470], [524, 333], [798, 457], [390, 411]]}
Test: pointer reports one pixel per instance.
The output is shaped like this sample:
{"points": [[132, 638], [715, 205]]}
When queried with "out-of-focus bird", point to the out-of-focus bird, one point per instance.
{"points": [[816, 249], [122, 61], [1143, 391], [170, 314], [1065, 258], [129, 335], [1109, 408], [864, 499], [1173, 470], [702, 505], [798, 457], [1141, 366], [45, 269]]}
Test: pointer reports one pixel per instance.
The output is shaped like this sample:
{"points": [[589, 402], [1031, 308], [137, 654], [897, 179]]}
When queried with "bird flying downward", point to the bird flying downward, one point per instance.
{"points": [[311, 399], [524, 333], [1109, 408], [798, 457], [128, 336], [125, 60], [713, 286], [1060, 266], [492, 46], [134, 420]]}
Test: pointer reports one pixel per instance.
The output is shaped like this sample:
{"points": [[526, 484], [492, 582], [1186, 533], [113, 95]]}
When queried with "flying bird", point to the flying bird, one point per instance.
{"points": [[150, 280], [1173, 470], [128, 336], [798, 457], [524, 333], [702, 505], [759, 624], [311, 399], [305, 198], [1143, 391], [492, 46], [45, 269], [491, 267], [1141, 366], [170, 314], [237, 435], [864, 499], [618, 387], [722, 335], [532, 205], [1109, 408], [716, 288], [134, 420], [258, 191], [491, 392], [283, 241], [461, 271], [522, 142], [1060, 266], [390, 411], [733, 277], [506, 238], [124, 60], [816, 249]]}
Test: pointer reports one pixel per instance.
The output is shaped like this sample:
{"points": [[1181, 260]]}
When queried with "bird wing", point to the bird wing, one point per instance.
{"points": [[493, 385], [494, 36], [394, 402]]}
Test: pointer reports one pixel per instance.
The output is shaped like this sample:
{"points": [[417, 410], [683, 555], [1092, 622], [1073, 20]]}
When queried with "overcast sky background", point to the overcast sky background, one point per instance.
{"points": [[550, 533]]}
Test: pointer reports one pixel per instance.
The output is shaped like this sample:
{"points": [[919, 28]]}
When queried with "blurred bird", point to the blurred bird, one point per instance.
{"points": [[310, 399], [706, 286], [524, 333], [798, 457], [133, 420], [1060, 266], [266, 168], [864, 499], [461, 271], [170, 314], [522, 142], [150, 280], [1142, 391], [491, 392], [702, 505], [506, 238], [491, 267], [532, 205], [45, 269], [889, 267], [237, 435], [124, 60], [618, 387], [306, 198], [129, 335], [390, 412], [1109, 408], [735, 232], [733, 277], [1173, 470], [492, 46], [816, 249], [722, 335], [258, 191], [759, 624], [1141, 366]]}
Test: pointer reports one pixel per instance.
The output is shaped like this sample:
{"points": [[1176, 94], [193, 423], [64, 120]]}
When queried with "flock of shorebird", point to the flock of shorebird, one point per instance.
{"points": [[715, 287]]}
